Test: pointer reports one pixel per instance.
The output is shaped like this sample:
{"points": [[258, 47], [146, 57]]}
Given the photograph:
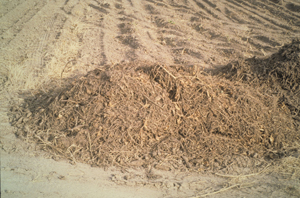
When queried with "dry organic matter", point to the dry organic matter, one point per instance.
{"points": [[167, 116]]}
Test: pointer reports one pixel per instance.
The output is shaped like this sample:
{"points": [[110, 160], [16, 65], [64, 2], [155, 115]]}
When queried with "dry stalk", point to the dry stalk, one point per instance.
{"points": [[243, 176], [168, 72], [219, 191]]}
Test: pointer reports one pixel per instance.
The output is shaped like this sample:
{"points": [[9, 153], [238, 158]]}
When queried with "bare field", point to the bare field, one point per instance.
{"points": [[165, 98]]}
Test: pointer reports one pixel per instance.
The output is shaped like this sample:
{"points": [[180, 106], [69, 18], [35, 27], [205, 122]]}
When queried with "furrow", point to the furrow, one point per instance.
{"points": [[278, 12], [18, 25], [255, 14], [14, 15], [209, 11], [8, 6]]}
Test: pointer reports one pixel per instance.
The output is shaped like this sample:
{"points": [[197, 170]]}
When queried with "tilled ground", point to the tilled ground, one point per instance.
{"points": [[161, 97]]}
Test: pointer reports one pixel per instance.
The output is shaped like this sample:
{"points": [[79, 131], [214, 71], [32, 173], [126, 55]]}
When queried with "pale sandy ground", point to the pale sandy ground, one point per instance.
{"points": [[42, 39]]}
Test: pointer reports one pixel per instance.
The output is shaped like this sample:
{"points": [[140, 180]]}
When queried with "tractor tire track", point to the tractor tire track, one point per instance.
{"points": [[68, 38], [15, 24], [7, 6]]}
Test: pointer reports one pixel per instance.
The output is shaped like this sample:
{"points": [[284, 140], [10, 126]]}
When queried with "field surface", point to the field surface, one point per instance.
{"points": [[198, 98]]}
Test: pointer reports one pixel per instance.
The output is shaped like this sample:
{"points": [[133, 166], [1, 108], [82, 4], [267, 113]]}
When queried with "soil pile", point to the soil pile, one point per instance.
{"points": [[170, 117], [277, 75]]}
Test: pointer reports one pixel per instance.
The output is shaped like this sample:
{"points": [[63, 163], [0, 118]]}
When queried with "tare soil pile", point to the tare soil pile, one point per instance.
{"points": [[170, 117]]}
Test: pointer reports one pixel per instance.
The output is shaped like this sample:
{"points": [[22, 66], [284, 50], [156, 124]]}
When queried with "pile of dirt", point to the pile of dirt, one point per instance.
{"points": [[169, 117], [277, 75]]}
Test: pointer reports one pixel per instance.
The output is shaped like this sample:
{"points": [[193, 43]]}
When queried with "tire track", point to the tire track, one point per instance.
{"points": [[293, 7], [171, 37], [8, 6], [172, 3], [142, 19], [259, 39], [200, 33], [203, 7], [212, 5], [127, 35], [256, 13], [15, 14], [178, 40], [278, 11], [103, 55], [151, 10], [104, 5], [110, 37], [130, 3], [38, 55], [53, 33], [15, 28], [68, 6], [205, 16], [255, 7], [45, 51], [49, 28], [99, 9], [230, 14], [184, 31], [93, 51], [211, 40], [245, 14], [96, 18], [157, 3], [182, 8]]}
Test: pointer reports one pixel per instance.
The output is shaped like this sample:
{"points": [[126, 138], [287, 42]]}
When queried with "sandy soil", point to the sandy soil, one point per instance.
{"points": [[49, 40]]}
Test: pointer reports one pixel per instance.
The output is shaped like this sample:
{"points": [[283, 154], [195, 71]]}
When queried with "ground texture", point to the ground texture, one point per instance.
{"points": [[165, 98]]}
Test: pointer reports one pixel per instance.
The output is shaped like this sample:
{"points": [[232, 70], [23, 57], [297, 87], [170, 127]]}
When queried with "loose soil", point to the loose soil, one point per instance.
{"points": [[174, 98]]}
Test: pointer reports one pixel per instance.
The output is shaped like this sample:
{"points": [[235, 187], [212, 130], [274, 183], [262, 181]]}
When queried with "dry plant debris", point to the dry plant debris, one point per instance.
{"points": [[167, 117]]}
